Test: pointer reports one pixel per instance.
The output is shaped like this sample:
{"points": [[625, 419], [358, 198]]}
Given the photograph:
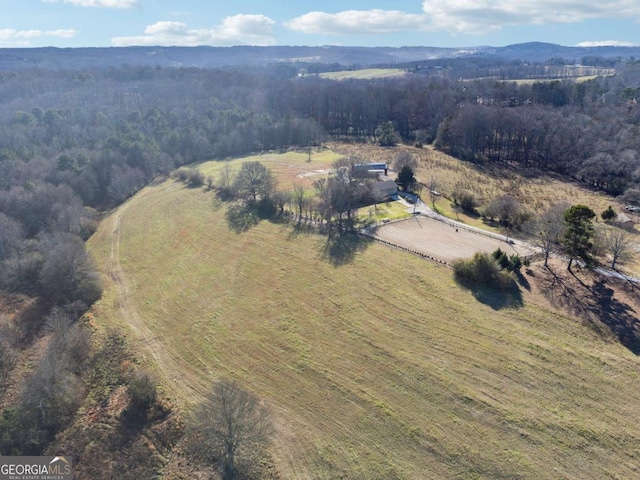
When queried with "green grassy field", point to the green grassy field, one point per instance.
{"points": [[289, 168], [393, 210], [374, 362], [364, 74]]}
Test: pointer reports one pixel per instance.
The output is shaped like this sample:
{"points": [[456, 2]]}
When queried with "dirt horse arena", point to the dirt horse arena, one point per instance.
{"points": [[441, 241]]}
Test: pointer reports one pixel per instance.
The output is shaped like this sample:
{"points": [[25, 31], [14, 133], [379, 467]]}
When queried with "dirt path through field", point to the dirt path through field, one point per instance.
{"points": [[184, 384], [185, 387]]}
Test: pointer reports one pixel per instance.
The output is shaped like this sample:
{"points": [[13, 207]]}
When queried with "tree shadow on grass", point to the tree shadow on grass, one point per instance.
{"points": [[508, 295], [340, 248], [595, 303], [618, 316], [522, 281], [242, 217], [303, 228]]}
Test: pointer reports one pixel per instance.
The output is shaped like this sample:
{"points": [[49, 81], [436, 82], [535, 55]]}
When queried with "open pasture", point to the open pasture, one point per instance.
{"points": [[364, 74], [288, 167]]}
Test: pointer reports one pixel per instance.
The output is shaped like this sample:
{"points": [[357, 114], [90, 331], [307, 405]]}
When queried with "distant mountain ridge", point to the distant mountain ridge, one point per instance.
{"points": [[209, 57]]}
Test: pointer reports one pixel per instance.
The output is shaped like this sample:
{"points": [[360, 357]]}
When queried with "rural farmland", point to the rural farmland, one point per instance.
{"points": [[390, 349], [303, 249]]}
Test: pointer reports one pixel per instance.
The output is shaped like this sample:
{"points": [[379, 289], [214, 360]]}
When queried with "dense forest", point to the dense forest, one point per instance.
{"points": [[74, 143]]}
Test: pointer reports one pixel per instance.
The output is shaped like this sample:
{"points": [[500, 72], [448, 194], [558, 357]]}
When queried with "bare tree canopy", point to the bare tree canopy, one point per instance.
{"points": [[298, 199], [548, 229], [433, 187], [405, 159], [506, 208], [254, 180], [229, 426], [617, 243]]}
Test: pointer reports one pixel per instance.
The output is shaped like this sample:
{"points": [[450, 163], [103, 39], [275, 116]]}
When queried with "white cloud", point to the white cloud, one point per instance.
{"points": [[99, 3], [9, 36], [482, 16], [464, 16], [235, 30], [607, 43], [357, 22]]}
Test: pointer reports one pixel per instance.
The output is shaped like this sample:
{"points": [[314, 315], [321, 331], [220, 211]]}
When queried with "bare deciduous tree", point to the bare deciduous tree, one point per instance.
{"points": [[505, 208], [298, 198], [548, 229], [405, 159], [68, 272], [617, 243], [11, 236], [142, 389], [225, 181], [254, 180], [229, 426], [54, 390], [433, 187], [280, 199], [9, 336]]}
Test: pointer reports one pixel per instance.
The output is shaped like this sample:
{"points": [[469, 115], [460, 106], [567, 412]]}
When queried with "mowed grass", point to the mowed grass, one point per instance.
{"points": [[378, 367], [295, 167], [364, 74], [392, 210]]}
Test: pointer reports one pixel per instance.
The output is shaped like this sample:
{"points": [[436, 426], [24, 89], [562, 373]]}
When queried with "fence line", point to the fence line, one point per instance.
{"points": [[415, 252], [477, 231]]}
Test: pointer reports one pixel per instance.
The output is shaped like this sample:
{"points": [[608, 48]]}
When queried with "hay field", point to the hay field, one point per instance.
{"points": [[374, 362], [364, 74]]}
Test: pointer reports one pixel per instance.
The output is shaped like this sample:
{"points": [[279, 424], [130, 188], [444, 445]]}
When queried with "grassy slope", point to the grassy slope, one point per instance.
{"points": [[378, 368], [364, 74]]}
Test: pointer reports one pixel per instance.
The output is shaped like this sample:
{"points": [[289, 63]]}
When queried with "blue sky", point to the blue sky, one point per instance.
{"points": [[440, 23]]}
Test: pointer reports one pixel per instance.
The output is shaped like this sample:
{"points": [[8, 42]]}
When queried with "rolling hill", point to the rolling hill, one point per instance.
{"points": [[214, 57], [375, 363]]}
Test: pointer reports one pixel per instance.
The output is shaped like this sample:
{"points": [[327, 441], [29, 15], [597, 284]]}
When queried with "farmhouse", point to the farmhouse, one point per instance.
{"points": [[385, 188]]}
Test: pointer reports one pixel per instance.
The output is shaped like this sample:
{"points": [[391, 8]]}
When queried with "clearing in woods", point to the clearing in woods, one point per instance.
{"points": [[367, 73], [379, 366]]}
